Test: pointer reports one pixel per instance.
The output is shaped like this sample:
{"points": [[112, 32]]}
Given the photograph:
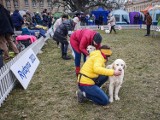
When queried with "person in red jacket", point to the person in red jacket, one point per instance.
{"points": [[79, 41]]}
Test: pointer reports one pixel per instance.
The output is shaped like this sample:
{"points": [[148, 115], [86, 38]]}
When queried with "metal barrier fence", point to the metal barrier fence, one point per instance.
{"points": [[128, 26], [7, 78]]}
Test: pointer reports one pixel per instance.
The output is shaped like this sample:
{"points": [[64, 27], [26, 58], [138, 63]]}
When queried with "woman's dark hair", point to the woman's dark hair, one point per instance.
{"points": [[104, 47], [65, 16], [24, 15]]}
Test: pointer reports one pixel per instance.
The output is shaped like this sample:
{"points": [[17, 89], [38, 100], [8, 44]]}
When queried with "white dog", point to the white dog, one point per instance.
{"points": [[90, 49], [107, 31], [116, 81]]}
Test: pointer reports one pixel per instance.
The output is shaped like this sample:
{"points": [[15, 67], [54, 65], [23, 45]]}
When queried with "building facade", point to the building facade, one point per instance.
{"points": [[30, 5], [138, 5]]}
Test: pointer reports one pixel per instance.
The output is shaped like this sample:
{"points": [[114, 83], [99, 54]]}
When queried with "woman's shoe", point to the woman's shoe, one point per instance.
{"points": [[66, 57]]}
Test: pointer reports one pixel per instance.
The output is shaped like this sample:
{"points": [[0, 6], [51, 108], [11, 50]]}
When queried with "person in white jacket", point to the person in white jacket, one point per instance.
{"points": [[58, 22], [112, 22], [77, 21]]}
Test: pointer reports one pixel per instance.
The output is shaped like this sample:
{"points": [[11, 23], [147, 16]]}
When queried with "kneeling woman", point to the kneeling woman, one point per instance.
{"points": [[93, 75]]}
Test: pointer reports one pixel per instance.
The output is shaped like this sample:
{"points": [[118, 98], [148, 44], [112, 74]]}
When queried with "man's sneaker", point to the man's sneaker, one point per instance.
{"points": [[80, 96]]}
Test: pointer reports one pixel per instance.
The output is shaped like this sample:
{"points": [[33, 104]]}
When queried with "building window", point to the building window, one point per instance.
{"points": [[15, 2], [41, 3], [8, 3], [26, 3], [34, 3], [1, 2], [49, 3]]}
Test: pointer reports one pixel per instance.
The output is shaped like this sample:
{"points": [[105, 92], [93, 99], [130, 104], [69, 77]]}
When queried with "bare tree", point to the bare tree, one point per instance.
{"points": [[85, 5]]}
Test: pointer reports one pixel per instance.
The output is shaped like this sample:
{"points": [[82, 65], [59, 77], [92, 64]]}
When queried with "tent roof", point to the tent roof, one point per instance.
{"points": [[147, 9], [119, 11], [154, 11], [136, 12], [100, 9], [156, 7]]}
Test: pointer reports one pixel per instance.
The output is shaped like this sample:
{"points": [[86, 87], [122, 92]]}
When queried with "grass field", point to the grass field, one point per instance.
{"points": [[51, 93]]}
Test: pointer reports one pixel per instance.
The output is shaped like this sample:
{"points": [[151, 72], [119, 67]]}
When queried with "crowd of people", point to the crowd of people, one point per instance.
{"points": [[6, 32], [28, 24]]}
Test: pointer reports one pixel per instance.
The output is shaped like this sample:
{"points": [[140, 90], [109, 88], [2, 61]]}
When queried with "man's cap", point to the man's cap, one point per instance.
{"points": [[97, 38]]}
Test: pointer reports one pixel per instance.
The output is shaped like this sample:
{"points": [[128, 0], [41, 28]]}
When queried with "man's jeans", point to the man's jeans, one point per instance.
{"points": [[95, 93], [78, 58]]}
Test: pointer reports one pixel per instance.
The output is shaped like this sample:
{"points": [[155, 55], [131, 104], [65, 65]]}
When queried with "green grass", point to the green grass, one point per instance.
{"points": [[51, 92]]}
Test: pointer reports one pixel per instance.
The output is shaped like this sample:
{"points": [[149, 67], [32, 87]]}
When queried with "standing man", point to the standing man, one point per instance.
{"points": [[60, 35], [6, 30], [58, 22], [80, 40], [148, 20], [17, 20], [112, 22]]}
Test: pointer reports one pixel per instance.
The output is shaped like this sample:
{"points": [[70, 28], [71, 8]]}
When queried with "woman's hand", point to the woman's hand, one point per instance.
{"points": [[117, 73]]}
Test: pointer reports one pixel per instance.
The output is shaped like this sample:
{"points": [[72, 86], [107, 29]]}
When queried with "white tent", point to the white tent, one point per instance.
{"points": [[155, 13], [122, 16]]}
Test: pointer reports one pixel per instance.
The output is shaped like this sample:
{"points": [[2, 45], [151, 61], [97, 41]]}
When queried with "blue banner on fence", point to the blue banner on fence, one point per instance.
{"points": [[25, 67]]}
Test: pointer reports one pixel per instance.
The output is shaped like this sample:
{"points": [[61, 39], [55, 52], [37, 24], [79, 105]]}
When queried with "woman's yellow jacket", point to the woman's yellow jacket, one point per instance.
{"points": [[93, 67]]}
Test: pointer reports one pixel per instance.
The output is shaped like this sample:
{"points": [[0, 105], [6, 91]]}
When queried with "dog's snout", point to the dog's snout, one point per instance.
{"points": [[120, 69]]}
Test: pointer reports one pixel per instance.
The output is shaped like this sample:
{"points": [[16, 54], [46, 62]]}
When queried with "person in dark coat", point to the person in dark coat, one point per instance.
{"points": [[45, 19], [60, 35], [38, 19], [6, 31], [136, 19], [148, 20], [100, 20], [49, 20], [17, 20]]}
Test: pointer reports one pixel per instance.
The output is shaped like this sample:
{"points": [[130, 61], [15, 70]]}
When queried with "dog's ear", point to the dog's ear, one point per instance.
{"points": [[124, 67], [111, 66]]}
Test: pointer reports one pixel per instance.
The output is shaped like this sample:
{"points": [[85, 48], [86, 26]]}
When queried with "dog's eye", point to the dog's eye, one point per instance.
{"points": [[117, 64], [122, 65]]}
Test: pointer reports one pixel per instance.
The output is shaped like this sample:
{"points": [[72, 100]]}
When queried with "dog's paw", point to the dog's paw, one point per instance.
{"points": [[117, 98], [111, 100]]}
